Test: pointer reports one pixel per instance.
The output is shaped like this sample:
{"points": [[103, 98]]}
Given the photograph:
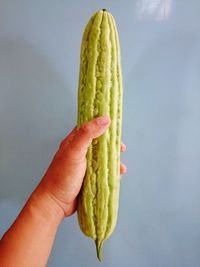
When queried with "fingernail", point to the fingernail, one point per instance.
{"points": [[104, 120]]}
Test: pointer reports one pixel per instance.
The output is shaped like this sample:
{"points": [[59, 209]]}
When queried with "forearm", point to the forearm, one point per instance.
{"points": [[29, 240]]}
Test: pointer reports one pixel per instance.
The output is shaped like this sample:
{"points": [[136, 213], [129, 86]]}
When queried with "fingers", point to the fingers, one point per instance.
{"points": [[78, 140], [69, 138], [72, 134], [123, 147], [89, 131], [123, 168]]}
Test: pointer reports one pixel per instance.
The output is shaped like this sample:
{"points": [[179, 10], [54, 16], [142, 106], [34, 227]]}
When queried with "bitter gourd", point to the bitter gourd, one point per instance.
{"points": [[100, 92]]}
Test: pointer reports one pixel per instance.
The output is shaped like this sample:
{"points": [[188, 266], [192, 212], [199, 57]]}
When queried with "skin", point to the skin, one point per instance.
{"points": [[29, 240]]}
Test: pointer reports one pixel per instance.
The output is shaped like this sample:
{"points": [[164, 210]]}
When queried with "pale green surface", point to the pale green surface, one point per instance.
{"points": [[100, 93]]}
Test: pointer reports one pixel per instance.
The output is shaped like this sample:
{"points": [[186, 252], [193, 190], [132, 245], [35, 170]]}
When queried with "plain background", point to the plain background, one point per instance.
{"points": [[159, 216]]}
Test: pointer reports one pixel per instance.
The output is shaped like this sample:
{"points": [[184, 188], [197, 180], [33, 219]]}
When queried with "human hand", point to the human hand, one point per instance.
{"points": [[64, 177]]}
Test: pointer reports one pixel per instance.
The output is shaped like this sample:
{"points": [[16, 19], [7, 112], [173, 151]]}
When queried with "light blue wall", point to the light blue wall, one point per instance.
{"points": [[159, 215]]}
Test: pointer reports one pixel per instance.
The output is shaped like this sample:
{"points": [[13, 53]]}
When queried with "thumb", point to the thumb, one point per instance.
{"points": [[89, 131]]}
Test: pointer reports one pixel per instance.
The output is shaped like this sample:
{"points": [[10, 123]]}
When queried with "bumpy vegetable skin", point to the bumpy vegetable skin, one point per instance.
{"points": [[100, 92]]}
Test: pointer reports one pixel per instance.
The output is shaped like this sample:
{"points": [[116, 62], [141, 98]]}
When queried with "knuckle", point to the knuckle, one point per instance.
{"points": [[84, 130], [58, 155]]}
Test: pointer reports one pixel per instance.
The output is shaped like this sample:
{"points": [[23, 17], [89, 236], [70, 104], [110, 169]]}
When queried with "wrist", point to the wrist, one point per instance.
{"points": [[41, 202]]}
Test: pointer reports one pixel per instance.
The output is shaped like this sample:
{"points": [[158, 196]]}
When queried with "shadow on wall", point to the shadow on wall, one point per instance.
{"points": [[35, 115]]}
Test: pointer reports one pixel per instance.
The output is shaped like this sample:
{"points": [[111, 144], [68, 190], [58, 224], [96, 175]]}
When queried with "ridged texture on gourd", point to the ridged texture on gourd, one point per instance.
{"points": [[99, 93]]}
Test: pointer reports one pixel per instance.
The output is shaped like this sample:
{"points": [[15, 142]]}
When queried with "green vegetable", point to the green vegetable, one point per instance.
{"points": [[99, 93]]}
